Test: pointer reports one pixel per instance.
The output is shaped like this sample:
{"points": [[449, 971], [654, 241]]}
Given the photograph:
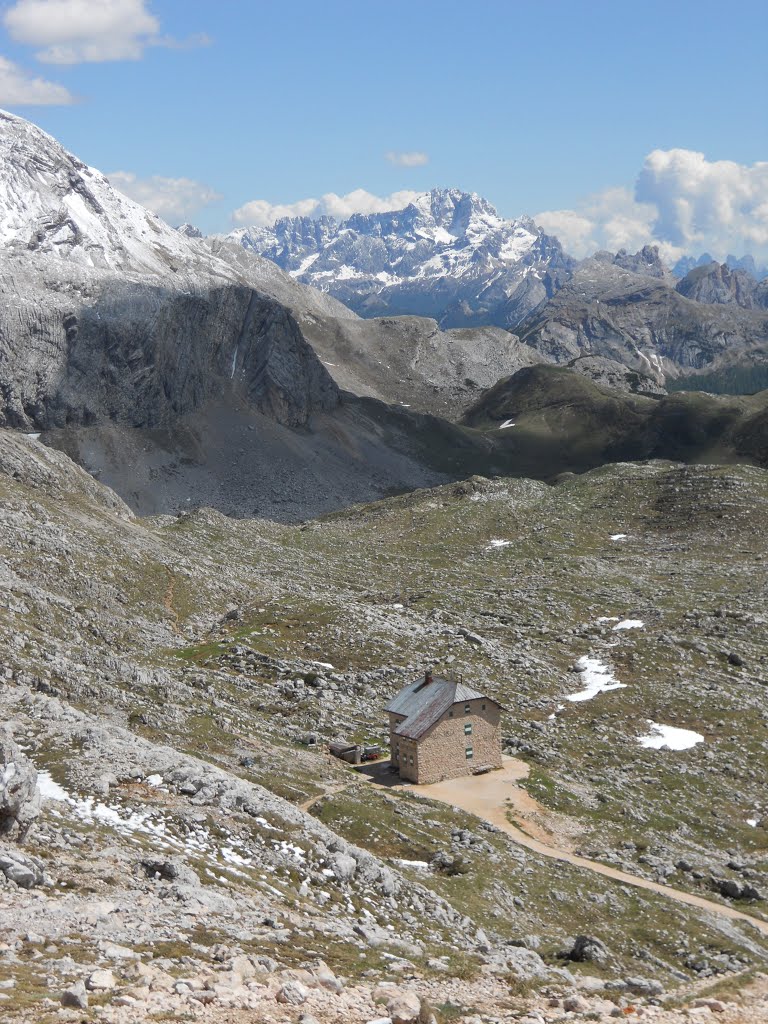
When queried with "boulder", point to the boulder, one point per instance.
{"points": [[587, 949], [327, 979], [171, 870], [343, 866], [25, 871], [525, 963], [75, 996], [100, 980], [644, 986], [575, 1004], [293, 993], [403, 1006], [19, 795]]}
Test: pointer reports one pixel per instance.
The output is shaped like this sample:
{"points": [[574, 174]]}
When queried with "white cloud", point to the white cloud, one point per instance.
{"points": [[681, 202], [412, 159], [18, 88], [81, 31], [260, 213], [611, 219], [173, 199]]}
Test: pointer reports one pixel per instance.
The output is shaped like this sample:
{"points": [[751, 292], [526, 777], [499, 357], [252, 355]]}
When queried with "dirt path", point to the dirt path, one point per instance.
{"points": [[496, 795], [328, 791]]}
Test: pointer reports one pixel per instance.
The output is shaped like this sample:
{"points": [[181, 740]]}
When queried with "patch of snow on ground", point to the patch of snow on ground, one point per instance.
{"points": [[50, 790], [754, 822], [149, 822], [498, 544], [618, 536], [419, 865], [669, 737], [506, 423], [630, 624], [597, 679], [608, 618], [154, 780]]}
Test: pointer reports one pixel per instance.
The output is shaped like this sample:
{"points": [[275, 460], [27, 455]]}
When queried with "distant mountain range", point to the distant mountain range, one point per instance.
{"points": [[448, 255], [184, 369], [746, 263]]}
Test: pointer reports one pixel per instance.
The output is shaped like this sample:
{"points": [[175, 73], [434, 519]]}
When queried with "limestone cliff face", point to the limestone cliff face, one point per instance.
{"points": [[107, 313], [143, 354]]}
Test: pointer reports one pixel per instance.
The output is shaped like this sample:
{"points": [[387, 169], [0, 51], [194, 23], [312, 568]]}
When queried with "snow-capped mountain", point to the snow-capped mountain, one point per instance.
{"points": [[55, 209], [447, 255], [51, 202]]}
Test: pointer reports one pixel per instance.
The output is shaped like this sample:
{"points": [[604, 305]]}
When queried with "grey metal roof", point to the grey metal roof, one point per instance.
{"points": [[423, 704]]}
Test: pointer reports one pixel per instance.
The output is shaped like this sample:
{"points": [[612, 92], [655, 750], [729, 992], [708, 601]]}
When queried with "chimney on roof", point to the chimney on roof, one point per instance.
{"points": [[428, 677]]}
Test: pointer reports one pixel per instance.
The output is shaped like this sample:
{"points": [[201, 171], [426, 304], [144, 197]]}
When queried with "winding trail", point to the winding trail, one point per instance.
{"points": [[496, 795]]}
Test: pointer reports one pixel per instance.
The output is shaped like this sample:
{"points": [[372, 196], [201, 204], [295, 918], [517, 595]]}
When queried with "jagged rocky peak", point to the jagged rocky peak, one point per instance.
{"points": [[189, 230], [646, 261], [448, 255], [719, 283]]}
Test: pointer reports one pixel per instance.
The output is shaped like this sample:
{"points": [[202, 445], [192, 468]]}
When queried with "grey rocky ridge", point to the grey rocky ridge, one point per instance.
{"points": [[170, 846]]}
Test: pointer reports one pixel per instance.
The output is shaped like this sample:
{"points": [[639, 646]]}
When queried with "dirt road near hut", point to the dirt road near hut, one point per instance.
{"points": [[497, 796]]}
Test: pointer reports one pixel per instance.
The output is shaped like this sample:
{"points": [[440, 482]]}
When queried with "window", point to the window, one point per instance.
{"points": [[467, 709], [467, 728], [470, 753], [450, 714], [483, 707], [411, 758]]}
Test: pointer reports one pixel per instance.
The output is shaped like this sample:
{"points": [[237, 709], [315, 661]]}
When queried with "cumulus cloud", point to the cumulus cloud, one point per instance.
{"points": [[612, 219], [412, 159], [81, 31], [173, 199], [681, 202], [260, 213], [18, 88]]}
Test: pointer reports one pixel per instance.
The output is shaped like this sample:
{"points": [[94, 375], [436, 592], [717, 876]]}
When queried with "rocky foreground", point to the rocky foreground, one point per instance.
{"points": [[171, 850]]}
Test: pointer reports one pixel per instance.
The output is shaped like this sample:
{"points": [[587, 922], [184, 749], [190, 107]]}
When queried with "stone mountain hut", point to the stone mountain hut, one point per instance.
{"points": [[440, 729]]}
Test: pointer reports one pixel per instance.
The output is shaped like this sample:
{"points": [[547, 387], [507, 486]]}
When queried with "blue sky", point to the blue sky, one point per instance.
{"points": [[536, 106]]}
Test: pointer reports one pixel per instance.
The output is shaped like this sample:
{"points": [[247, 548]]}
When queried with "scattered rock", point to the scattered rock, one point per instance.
{"points": [[403, 1006], [75, 996], [27, 872], [100, 980], [293, 993]]}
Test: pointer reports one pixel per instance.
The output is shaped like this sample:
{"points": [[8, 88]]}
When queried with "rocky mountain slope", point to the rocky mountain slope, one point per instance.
{"points": [[184, 855], [448, 256], [716, 282], [644, 322], [120, 335]]}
